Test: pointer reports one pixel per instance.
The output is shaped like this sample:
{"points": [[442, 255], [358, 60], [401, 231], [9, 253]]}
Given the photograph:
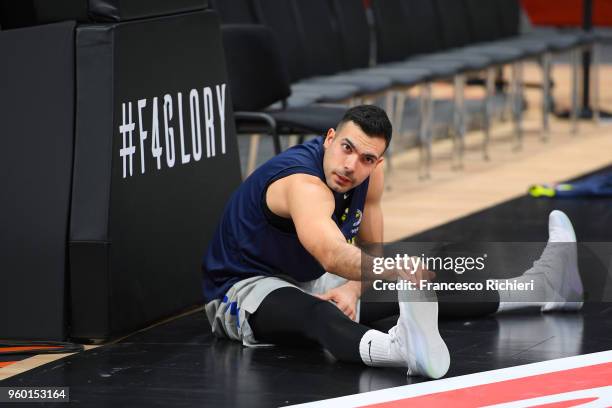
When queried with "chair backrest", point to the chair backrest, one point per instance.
{"points": [[423, 26], [483, 18], [453, 19], [510, 16], [256, 73], [321, 37], [235, 11], [281, 17], [354, 32], [392, 40]]}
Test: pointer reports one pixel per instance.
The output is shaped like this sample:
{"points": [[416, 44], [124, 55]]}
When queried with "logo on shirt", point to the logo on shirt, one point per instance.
{"points": [[358, 216]]}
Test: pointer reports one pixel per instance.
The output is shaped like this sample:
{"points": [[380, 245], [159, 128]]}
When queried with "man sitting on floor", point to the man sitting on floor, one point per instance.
{"points": [[300, 215]]}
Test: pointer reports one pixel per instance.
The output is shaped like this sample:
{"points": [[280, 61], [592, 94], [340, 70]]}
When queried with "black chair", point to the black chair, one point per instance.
{"points": [[354, 33], [574, 41], [471, 27], [242, 12], [258, 78], [508, 17], [394, 45], [353, 27], [459, 36], [555, 42], [465, 38], [417, 25], [281, 17], [323, 47], [485, 30], [411, 42]]}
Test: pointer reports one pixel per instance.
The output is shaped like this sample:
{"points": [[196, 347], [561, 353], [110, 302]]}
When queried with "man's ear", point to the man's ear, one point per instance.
{"points": [[331, 133]]}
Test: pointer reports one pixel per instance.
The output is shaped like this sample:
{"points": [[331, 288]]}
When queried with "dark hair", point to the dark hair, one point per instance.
{"points": [[371, 119]]}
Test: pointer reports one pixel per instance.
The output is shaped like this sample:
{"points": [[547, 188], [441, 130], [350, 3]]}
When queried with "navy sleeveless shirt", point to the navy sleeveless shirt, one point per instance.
{"points": [[247, 243]]}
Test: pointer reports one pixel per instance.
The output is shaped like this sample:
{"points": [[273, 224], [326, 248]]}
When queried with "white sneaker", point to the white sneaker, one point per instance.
{"points": [[559, 263], [417, 335]]}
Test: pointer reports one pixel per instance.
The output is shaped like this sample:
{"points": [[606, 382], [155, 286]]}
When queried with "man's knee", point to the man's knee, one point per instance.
{"points": [[322, 312]]}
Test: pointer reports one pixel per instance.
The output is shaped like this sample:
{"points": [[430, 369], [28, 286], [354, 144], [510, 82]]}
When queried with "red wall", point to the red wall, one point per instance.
{"points": [[566, 12]]}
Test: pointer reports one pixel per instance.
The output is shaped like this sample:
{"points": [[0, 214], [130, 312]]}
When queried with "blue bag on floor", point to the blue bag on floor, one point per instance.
{"points": [[598, 185]]}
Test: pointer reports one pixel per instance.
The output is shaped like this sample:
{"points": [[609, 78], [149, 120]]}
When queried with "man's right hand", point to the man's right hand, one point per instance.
{"points": [[416, 276], [412, 276]]}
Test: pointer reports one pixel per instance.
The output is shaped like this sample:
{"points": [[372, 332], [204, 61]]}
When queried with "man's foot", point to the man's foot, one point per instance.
{"points": [[559, 264], [417, 336]]}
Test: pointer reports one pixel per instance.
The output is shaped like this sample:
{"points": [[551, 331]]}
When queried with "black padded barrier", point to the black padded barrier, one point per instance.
{"points": [[111, 10], [17, 13], [155, 161], [36, 128]]}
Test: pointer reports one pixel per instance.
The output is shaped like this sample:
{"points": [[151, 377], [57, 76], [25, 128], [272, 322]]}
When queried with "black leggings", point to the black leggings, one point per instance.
{"points": [[290, 316], [451, 305]]}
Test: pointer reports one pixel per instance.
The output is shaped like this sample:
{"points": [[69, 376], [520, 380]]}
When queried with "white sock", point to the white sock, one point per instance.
{"points": [[377, 349]]}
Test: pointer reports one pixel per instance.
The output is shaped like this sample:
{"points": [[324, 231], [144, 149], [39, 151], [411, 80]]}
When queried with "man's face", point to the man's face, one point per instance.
{"points": [[350, 156]]}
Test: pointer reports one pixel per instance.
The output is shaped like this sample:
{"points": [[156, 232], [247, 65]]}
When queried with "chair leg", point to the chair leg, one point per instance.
{"points": [[268, 120], [398, 114], [253, 151], [595, 52], [517, 105], [574, 107], [454, 129], [424, 132], [488, 112], [389, 106], [546, 96], [390, 109], [429, 134], [400, 104], [459, 120], [508, 110], [354, 101], [276, 140]]}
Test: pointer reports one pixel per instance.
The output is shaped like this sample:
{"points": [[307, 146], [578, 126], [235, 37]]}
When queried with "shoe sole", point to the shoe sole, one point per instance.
{"points": [[420, 321]]}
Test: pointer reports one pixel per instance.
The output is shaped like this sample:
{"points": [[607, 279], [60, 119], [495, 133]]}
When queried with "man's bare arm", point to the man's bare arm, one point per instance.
{"points": [[371, 228], [310, 205]]}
